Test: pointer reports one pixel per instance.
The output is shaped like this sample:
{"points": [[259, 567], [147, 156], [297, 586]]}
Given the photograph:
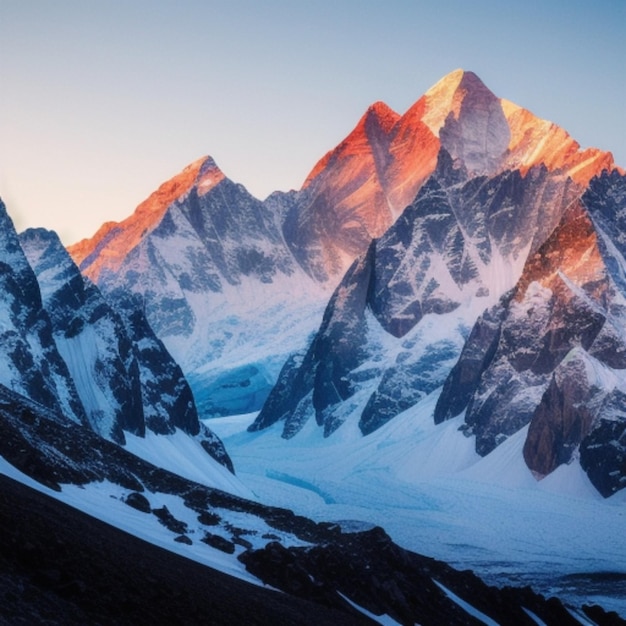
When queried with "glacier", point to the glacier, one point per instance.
{"points": [[430, 490]]}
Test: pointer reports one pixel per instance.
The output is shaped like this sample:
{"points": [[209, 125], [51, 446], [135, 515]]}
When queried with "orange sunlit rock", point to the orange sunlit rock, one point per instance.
{"points": [[571, 252], [362, 185], [443, 98], [413, 153], [358, 189], [535, 141], [114, 240]]}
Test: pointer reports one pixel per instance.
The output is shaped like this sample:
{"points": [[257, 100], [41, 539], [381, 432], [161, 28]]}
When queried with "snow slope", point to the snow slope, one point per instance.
{"points": [[105, 502], [184, 455], [433, 494]]}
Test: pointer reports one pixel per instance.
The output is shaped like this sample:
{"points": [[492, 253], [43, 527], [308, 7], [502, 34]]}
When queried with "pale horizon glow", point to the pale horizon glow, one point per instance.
{"points": [[102, 102]]}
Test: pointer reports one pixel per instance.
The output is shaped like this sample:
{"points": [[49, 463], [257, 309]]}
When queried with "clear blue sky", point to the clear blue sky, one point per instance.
{"points": [[101, 101]]}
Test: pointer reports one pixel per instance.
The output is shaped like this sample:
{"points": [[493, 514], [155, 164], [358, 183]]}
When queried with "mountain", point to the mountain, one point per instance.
{"points": [[55, 567], [30, 363], [124, 377], [208, 266], [552, 354], [491, 289], [55, 562], [358, 189], [90, 336], [216, 270], [200, 232], [453, 250]]}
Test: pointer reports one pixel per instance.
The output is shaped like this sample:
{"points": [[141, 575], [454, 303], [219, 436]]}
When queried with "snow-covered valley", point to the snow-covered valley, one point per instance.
{"points": [[433, 494]]}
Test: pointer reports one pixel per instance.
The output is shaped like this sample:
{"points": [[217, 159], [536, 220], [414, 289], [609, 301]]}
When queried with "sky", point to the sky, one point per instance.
{"points": [[103, 100]]}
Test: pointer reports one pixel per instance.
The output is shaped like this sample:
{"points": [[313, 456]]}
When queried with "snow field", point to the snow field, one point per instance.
{"points": [[433, 494], [183, 455]]}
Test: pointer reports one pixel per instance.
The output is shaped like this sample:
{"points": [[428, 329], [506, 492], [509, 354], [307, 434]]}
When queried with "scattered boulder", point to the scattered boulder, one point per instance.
{"points": [[138, 501]]}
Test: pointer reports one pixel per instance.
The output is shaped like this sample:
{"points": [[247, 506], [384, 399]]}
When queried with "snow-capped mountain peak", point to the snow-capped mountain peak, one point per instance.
{"points": [[106, 250]]}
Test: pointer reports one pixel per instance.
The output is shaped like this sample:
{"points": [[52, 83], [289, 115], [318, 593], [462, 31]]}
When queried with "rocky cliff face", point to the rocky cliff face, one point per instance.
{"points": [[90, 336], [207, 265], [30, 363], [457, 248], [358, 189], [551, 354], [125, 379]]}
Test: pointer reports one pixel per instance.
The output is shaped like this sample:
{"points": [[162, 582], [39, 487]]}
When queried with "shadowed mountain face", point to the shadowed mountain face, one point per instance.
{"points": [[30, 362], [551, 354], [66, 348], [55, 562], [92, 338], [458, 247]]}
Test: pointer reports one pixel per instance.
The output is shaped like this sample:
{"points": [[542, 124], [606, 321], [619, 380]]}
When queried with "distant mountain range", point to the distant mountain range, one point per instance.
{"points": [[465, 259], [466, 211]]}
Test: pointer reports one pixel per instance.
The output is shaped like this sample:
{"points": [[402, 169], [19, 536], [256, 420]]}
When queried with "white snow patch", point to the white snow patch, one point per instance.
{"points": [[385, 620], [580, 617], [81, 354], [534, 617], [466, 606], [183, 455], [237, 326]]}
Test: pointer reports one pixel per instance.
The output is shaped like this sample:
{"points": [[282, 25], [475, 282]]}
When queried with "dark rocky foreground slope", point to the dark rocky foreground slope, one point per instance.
{"points": [[59, 567]]}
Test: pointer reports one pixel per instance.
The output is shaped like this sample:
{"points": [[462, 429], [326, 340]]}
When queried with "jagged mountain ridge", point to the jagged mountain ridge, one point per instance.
{"points": [[92, 338], [221, 235], [112, 349], [486, 224], [358, 189], [207, 264], [552, 354], [30, 363], [67, 349], [459, 246], [364, 184], [215, 262]]}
